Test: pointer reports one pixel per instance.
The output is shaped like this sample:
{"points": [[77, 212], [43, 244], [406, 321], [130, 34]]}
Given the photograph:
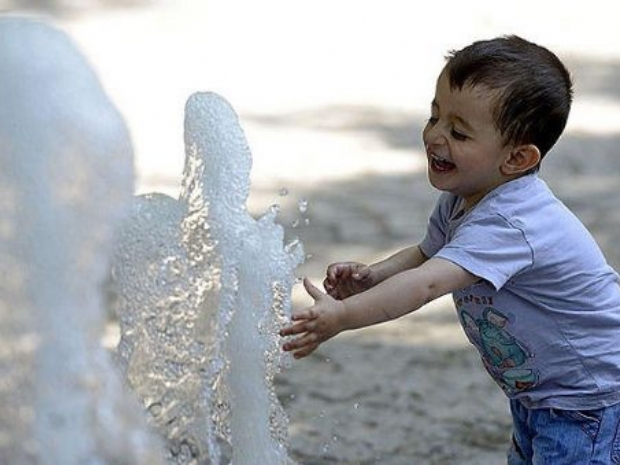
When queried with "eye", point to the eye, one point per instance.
{"points": [[433, 120], [458, 135]]}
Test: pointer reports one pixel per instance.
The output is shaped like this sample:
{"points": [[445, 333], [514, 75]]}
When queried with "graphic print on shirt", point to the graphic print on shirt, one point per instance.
{"points": [[503, 355]]}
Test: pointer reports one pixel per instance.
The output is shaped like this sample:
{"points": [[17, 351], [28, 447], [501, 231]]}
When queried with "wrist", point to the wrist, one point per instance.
{"points": [[343, 316], [378, 273]]}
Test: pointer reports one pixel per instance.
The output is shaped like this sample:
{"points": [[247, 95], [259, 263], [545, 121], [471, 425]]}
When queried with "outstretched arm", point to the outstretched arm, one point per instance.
{"points": [[344, 279], [405, 259], [398, 295]]}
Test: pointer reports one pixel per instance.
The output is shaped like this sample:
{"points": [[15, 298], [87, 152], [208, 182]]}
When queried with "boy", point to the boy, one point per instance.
{"points": [[532, 290]]}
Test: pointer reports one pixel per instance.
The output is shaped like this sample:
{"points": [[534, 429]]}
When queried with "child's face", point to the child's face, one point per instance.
{"points": [[464, 149]]}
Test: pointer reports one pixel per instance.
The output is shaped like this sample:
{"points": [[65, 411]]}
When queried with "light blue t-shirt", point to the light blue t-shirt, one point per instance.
{"points": [[545, 316]]}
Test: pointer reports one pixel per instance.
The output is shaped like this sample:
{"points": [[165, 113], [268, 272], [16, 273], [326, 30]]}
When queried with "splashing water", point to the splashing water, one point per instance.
{"points": [[302, 204], [200, 286], [65, 183], [203, 288]]}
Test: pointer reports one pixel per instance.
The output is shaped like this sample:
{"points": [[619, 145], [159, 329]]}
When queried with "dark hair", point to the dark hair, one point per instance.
{"points": [[534, 89]]}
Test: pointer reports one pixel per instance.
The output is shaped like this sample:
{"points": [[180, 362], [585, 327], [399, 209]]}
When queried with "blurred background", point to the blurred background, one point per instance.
{"points": [[333, 96]]}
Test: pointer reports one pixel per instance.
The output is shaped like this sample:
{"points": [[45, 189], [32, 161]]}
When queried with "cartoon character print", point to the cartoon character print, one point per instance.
{"points": [[502, 354]]}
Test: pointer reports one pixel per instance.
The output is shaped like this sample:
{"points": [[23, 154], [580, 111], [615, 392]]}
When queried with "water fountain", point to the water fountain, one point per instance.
{"points": [[199, 285], [203, 288], [65, 184]]}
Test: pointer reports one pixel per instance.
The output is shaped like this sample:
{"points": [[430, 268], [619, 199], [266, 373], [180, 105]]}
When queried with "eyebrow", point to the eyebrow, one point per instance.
{"points": [[462, 121]]}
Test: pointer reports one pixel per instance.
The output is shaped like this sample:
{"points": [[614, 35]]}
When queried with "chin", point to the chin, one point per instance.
{"points": [[437, 183]]}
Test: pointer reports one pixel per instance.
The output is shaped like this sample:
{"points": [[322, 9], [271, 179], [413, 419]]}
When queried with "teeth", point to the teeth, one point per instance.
{"points": [[439, 159]]}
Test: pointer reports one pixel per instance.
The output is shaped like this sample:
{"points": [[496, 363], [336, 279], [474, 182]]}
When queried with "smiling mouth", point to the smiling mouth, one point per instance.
{"points": [[441, 165]]}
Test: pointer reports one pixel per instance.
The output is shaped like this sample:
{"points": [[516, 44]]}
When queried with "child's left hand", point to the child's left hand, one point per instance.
{"points": [[316, 323]]}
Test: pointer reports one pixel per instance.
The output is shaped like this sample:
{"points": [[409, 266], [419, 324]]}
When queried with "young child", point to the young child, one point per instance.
{"points": [[532, 290]]}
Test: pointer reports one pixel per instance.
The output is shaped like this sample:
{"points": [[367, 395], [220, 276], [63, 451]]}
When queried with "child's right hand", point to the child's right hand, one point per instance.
{"points": [[345, 279]]}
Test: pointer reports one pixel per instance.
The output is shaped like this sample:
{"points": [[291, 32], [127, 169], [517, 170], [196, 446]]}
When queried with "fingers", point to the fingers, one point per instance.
{"points": [[314, 291], [335, 290], [305, 323], [346, 270], [302, 346], [302, 326], [341, 278], [337, 271], [332, 289], [307, 350]]}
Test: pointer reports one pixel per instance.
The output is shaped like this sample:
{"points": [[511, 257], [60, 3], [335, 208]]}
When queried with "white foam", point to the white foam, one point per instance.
{"points": [[65, 183], [203, 289]]}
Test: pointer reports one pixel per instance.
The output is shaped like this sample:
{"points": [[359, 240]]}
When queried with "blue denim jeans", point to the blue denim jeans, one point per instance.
{"points": [[564, 437]]}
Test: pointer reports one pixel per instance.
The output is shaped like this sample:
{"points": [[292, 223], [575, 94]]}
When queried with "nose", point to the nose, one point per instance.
{"points": [[433, 134]]}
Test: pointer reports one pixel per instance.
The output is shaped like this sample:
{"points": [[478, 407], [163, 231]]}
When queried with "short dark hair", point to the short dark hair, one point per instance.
{"points": [[534, 88]]}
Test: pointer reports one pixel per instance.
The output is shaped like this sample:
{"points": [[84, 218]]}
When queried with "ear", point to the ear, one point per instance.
{"points": [[521, 159]]}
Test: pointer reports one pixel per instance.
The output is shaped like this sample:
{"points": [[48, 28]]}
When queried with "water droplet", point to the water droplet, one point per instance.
{"points": [[155, 409], [295, 224], [306, 221], [356, 405], [282, 192], [291, 246], [303, 205]]}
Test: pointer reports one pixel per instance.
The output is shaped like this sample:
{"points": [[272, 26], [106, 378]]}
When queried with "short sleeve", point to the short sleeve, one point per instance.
{"points": [[490, 247], [436, 232]]}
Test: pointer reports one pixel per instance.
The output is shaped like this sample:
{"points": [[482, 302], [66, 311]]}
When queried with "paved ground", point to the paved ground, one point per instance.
{"points": [[333, 95]]}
